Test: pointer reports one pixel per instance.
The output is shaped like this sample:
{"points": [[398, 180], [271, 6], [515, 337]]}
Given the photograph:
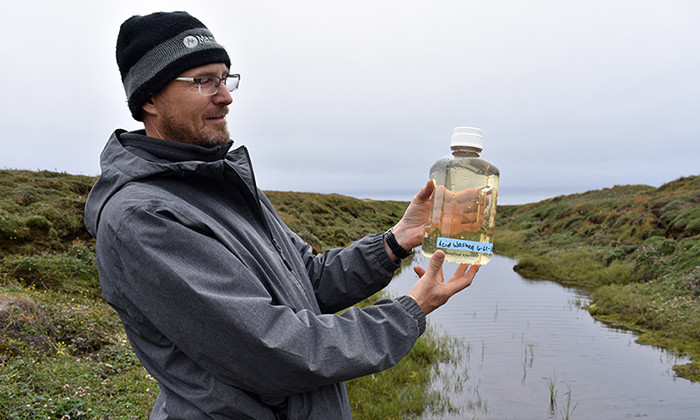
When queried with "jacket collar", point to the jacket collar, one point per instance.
{"points": [[140, 144]]}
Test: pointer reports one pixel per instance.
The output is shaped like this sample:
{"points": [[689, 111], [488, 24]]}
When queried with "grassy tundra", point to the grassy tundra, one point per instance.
{"points": [[635, 248], [63, 351]]}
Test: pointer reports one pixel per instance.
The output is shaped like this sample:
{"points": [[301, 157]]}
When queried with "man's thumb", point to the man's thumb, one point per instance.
{"points": [[425, 192], [436, 262]]}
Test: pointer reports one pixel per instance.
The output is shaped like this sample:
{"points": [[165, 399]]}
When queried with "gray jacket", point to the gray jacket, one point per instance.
{"points": [[227, 308]]}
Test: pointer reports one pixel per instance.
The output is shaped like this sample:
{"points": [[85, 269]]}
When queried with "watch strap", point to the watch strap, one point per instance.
{"points": [[397, 249]]}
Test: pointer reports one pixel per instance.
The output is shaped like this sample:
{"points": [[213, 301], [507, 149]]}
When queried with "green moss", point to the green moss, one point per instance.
{"points": [[637, 248]]}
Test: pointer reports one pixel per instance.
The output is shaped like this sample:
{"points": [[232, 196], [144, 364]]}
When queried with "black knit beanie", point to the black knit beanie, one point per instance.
{"points": [[154, 49]]}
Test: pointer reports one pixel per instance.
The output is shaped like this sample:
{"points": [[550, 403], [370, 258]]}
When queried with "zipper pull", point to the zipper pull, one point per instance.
{"points": [[279, 250]]}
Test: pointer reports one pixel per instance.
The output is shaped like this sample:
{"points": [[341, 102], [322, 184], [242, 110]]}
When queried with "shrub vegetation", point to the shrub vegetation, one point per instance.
{"points": [[635, 248]]}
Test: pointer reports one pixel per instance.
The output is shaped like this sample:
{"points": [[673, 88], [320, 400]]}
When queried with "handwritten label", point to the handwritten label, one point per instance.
{"points": [[462, 245]]}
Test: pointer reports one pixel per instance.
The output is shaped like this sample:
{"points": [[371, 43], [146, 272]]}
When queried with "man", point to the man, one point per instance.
{"points": [[226, 307]]}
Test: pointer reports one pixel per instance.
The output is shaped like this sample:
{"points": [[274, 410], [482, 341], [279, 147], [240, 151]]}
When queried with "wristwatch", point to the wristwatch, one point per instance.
{"points": [[397, 249]]}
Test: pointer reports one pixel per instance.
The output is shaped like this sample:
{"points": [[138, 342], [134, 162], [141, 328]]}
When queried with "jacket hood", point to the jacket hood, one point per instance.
{"points": [[132, 156]]}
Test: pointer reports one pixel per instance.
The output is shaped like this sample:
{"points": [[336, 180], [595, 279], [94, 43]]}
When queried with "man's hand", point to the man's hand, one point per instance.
{"points": [[409, 230], [462, 212], [431, 291]]}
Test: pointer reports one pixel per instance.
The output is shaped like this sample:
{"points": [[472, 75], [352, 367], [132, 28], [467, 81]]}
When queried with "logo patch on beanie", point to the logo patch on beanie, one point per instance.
{"points": [[192, 41]]}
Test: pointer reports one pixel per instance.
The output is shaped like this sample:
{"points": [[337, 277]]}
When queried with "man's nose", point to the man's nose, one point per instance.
{"points": [[223, 96]]}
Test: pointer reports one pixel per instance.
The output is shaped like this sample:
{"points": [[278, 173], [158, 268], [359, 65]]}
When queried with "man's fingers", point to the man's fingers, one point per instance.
{"points": [[425, 192], [431, 291], [461, 269], [470, 272], [470, 194], [461, 281]]}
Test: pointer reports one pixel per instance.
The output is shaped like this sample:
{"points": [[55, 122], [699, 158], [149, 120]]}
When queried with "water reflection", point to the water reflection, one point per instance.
{"points": [[529, 351]]}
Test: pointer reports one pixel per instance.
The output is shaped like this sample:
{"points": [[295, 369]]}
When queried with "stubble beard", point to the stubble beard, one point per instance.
{"points": [[205, 137], [217, 135], [211, 140]]}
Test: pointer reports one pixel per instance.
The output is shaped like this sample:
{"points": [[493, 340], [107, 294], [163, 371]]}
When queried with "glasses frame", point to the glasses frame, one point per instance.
{"points": [[198, 81]]}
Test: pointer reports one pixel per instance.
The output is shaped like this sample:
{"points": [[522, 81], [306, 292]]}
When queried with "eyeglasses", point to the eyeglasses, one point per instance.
{"points": [[209, 85]]}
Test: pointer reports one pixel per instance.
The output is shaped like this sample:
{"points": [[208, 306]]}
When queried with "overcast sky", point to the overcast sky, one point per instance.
{"points": [[360, 97]]}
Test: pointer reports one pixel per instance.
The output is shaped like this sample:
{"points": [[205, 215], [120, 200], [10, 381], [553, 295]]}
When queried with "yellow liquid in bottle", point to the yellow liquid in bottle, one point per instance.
{"points": [[464, 209]]}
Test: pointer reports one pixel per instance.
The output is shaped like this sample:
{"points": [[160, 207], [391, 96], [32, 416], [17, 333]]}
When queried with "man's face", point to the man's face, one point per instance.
{"points": [[180, 113]]}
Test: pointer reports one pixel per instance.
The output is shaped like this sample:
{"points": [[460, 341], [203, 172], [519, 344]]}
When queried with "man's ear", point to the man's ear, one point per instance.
{"points": [[149, 107]]}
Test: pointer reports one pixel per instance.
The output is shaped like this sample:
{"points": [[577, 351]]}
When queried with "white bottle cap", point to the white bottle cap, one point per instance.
{"points": [[467, 136]]}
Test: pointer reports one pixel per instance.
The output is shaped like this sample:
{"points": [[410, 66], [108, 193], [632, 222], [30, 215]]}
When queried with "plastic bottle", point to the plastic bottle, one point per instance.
{"points": [[464, 202]]}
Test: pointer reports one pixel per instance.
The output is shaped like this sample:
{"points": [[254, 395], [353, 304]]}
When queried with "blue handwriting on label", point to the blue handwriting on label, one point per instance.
{"points": [[462, 245]]}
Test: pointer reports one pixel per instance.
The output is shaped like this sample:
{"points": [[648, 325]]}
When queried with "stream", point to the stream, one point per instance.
{"points": [[528, 350]]}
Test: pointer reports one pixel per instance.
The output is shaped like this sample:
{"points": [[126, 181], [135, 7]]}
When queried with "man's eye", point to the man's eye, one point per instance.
{"points": [[206, 81]]}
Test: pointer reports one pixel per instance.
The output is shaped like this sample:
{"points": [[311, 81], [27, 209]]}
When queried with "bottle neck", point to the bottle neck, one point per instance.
{"points": [[465, 151]]}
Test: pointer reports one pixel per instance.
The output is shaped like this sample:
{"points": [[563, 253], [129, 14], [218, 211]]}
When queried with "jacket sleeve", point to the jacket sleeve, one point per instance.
{"points": [[344, 276], [207, 303], [341, 277]]}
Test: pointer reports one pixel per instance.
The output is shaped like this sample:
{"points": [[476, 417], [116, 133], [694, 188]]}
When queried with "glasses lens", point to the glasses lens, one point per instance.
{"points": [[208, 86], [232, 82]]}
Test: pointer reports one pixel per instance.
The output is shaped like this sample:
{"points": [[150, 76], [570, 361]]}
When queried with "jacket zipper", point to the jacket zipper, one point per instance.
{"points": [[261, 215]]}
